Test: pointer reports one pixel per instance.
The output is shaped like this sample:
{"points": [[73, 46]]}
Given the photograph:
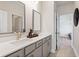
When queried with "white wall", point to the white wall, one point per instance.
{"points": [[47, 13], [76, 35]]}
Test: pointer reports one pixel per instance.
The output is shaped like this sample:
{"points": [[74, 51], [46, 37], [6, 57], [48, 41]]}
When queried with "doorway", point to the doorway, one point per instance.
{"points": [[66, 30], [64, 24]]}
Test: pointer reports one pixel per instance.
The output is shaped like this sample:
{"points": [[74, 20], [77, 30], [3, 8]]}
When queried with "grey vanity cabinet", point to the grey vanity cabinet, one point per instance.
{"points": [[40, 48], [36, 53]]}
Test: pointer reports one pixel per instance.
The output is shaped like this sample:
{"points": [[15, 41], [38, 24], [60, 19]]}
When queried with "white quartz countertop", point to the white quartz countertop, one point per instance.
{"points": [[9, 47]]}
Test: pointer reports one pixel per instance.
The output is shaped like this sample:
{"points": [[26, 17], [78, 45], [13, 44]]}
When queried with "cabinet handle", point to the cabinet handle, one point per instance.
{"points": [[40, 43]]}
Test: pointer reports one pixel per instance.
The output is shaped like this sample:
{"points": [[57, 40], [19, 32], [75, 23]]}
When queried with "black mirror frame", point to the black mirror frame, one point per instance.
{"points": [[76, 17]]}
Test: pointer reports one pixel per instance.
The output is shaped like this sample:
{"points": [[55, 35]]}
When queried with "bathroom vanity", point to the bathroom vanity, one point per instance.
{"points": [[14, 20], [40, 48]]}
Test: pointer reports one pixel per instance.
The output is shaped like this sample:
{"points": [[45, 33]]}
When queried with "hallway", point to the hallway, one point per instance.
{"points": [[65, 49], [64, 29]]}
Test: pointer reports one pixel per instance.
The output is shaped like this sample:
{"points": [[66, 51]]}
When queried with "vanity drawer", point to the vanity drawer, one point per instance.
{"points": [[46, 39], [39, 43], [29, 49]]}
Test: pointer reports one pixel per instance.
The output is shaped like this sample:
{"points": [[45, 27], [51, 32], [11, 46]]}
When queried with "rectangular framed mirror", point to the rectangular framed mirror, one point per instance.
{"points": [[36, 26], [12, 17]]}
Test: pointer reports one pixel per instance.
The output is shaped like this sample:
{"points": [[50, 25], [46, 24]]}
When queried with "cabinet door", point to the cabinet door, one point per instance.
{"points": [[30, 55], [14, 55], [46, 49], [18, 54], [21, 53], [36, 53], [29, 49]]}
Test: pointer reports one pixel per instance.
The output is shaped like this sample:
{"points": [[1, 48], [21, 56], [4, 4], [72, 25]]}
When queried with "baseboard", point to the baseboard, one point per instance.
{"points": [[53, 51], [76, 54]]}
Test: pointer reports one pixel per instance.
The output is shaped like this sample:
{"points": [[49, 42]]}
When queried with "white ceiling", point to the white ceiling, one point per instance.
{"points": [[63, 2]]}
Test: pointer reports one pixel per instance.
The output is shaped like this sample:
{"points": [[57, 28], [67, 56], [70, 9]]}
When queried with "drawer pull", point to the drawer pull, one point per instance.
{"points": [[38, 44]]}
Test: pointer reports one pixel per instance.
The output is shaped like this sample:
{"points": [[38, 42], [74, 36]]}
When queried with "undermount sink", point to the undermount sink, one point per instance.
{"points": [[19, 42]]}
